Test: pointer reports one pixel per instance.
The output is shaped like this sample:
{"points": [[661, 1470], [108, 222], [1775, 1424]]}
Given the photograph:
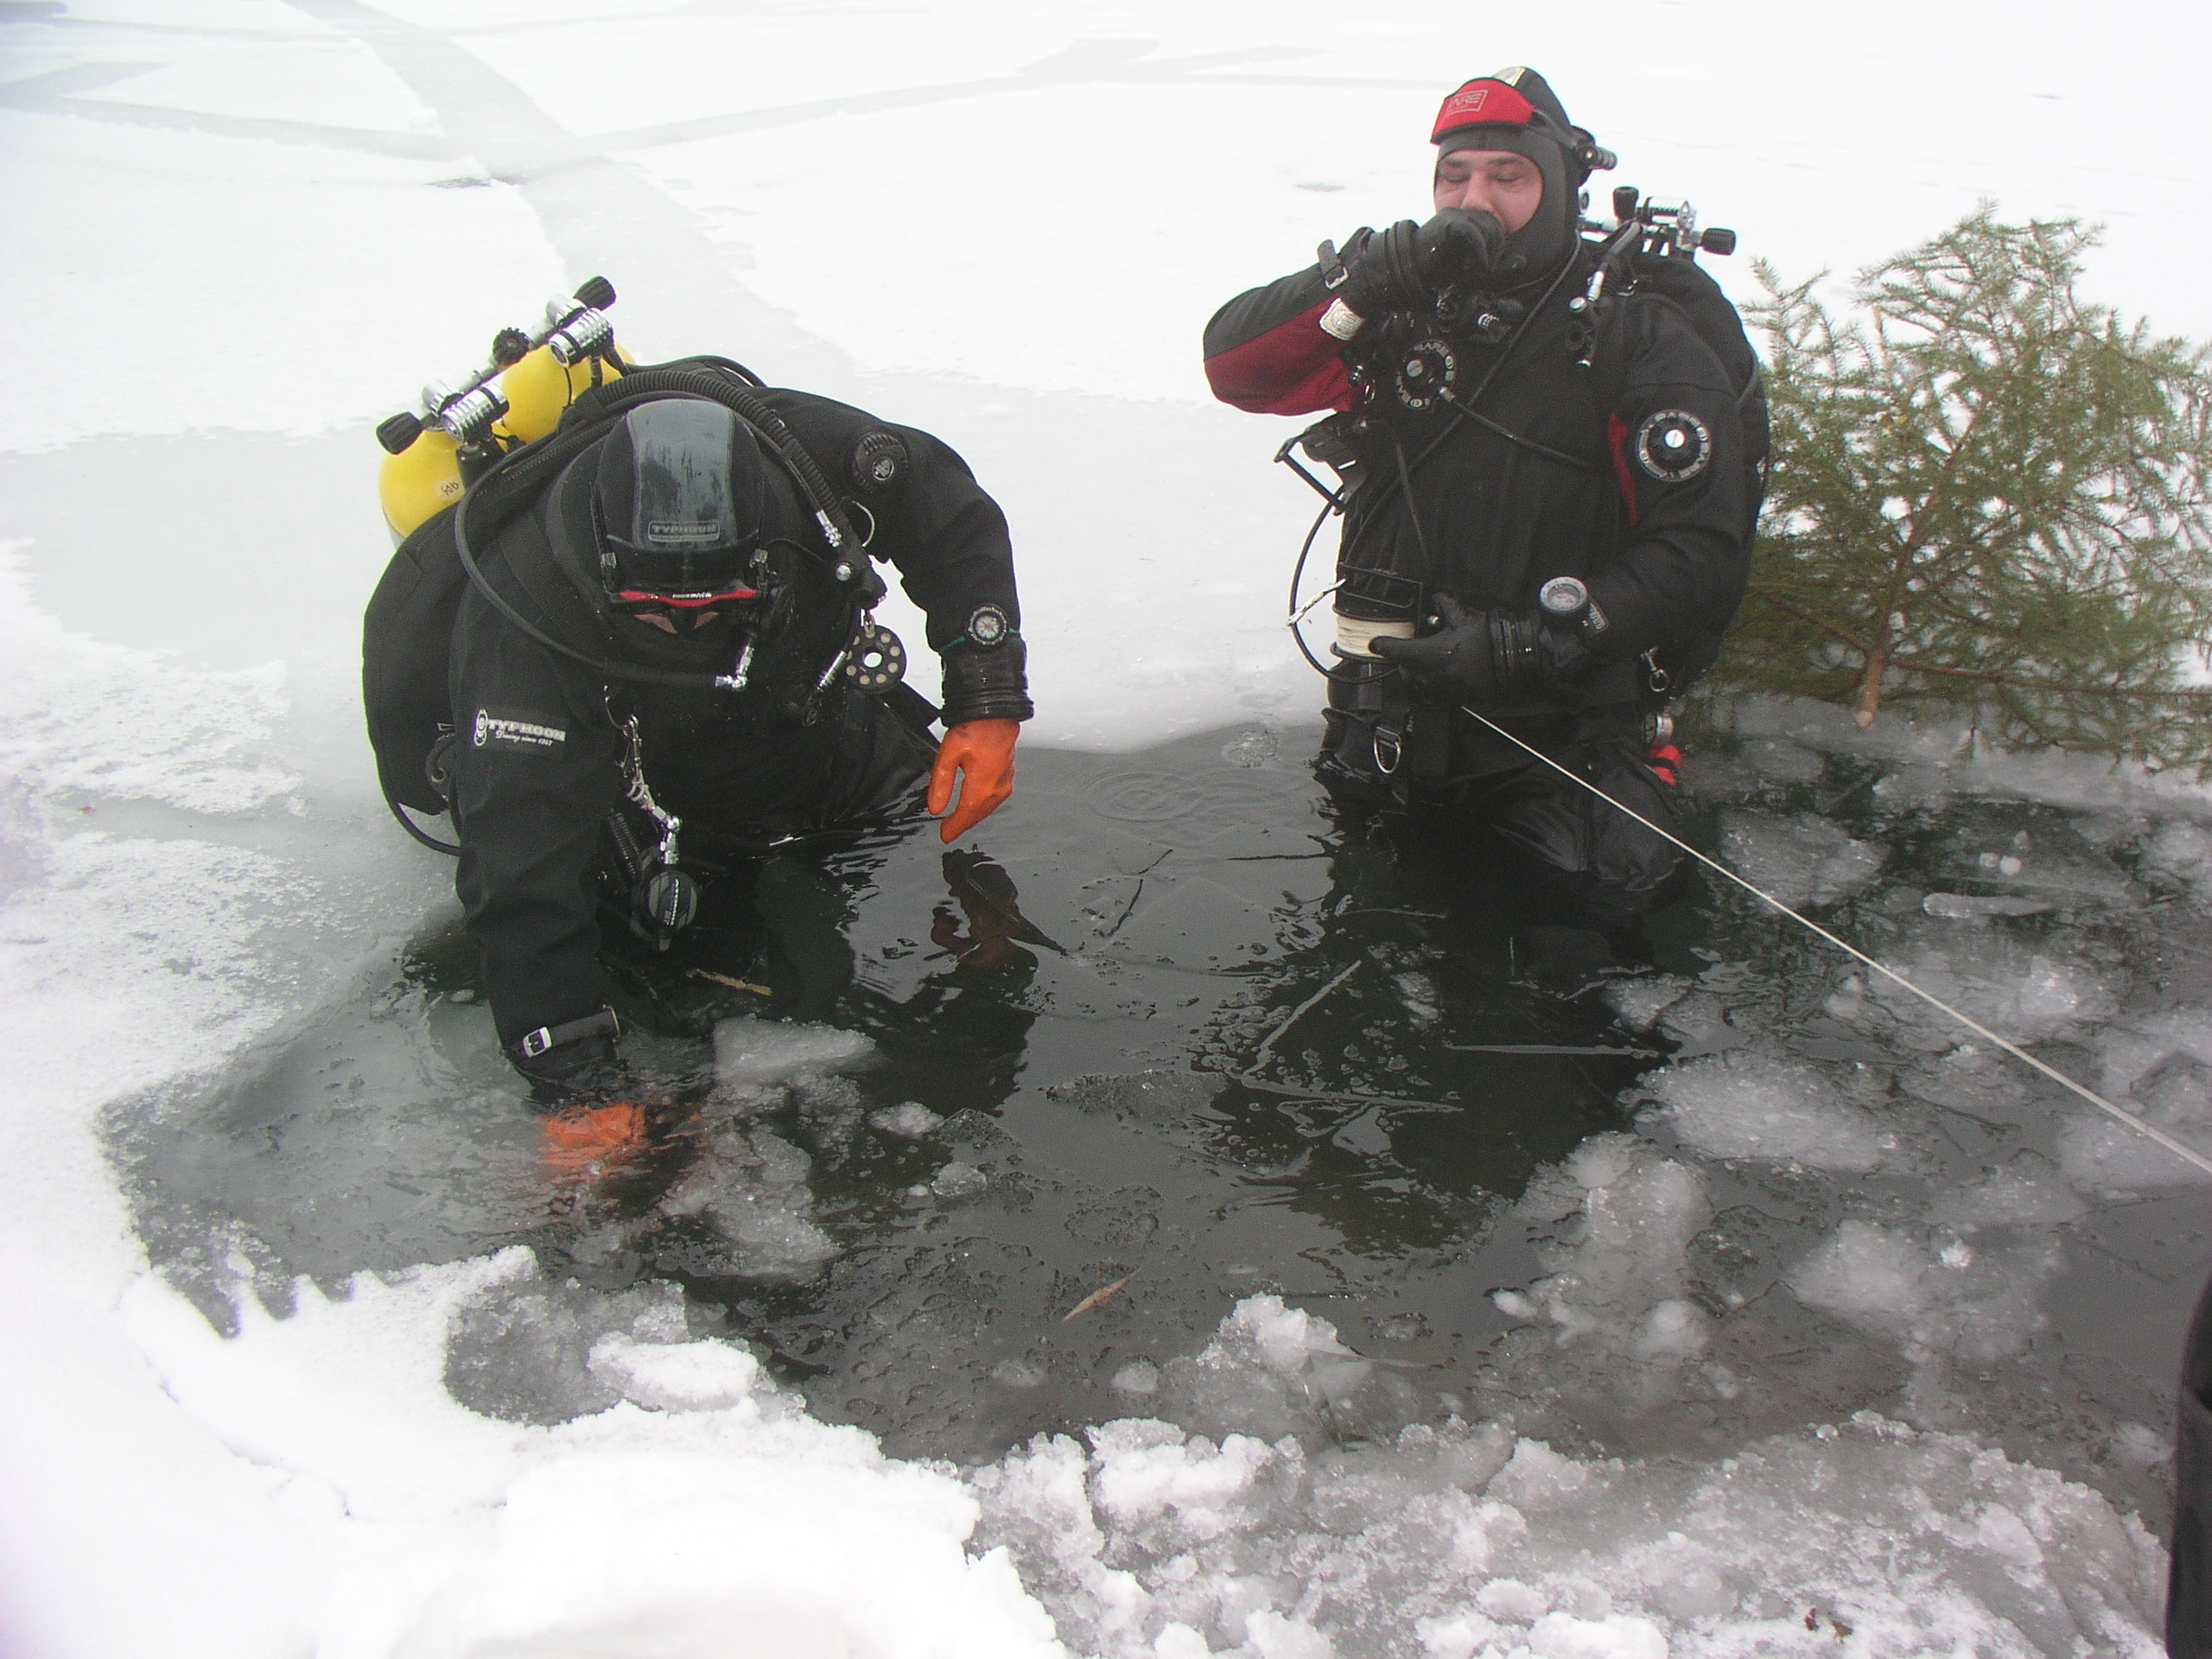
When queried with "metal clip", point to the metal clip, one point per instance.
{"points": [[1396, 743]]}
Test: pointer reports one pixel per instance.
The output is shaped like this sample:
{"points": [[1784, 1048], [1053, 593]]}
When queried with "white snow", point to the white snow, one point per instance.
{"points": [[240, 231], [1146, 1539]]}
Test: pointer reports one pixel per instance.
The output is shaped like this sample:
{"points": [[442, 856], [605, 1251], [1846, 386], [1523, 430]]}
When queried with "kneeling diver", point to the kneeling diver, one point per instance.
{"points": [[663, 635]]}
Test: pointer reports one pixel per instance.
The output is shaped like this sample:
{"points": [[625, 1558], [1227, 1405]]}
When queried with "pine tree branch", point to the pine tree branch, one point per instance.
{"points": [[1984, 676], [1821, 622], [1997, 677]]}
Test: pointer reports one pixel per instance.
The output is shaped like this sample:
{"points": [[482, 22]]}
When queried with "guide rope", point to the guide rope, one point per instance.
{"points": [[1975, 1025]]}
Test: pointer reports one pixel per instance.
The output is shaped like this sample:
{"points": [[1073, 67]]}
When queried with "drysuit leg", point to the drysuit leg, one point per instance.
{"points": [[1597, 866]]}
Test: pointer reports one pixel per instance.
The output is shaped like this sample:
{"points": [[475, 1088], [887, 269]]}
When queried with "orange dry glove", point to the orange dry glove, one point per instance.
{"points": [[583, 1143], [981, 753]]}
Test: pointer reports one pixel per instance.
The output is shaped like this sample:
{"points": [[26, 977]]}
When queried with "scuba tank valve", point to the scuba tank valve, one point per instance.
{"points": [[435, 450]]}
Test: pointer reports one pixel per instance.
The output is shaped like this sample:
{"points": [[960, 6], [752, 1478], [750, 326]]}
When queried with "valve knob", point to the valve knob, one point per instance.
{"points": [[596, 292], [399, 433], [1717, 240]]}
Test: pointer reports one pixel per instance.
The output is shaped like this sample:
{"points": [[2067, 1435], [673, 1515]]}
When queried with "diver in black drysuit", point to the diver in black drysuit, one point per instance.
{"points": [[1627, 462], [683, 539]]}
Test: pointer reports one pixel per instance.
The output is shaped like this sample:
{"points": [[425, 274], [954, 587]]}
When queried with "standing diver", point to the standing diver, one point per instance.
{"points": [[663, 641], [1550, 448]]}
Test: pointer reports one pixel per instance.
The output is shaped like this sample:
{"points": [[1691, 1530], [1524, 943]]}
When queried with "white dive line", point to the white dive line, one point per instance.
{"points": [[1849, 950]]}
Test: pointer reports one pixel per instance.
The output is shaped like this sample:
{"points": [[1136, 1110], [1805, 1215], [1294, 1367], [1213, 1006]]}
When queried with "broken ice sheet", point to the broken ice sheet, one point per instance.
{"points": [[1804, 859], [1752, 1105], [1147, 1542], [2161, 1069], [749, 1188], [1937, 1297], [908, 1121], [752, 1053]]}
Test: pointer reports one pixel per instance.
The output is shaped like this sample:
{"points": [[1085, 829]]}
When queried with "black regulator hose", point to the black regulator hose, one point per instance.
{"points": [[514, 474]]}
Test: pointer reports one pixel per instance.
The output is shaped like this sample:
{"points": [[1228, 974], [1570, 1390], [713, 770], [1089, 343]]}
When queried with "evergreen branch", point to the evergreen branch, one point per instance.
{"points": [[1995, 677], [1998, 677]]}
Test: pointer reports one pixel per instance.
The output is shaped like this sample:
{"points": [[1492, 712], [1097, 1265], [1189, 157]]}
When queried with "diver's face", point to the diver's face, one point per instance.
{"points": [[1508, 186]]}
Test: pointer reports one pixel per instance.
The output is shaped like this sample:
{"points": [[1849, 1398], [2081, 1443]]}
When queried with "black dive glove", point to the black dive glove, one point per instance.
{"points": [[987, 682], [1405, 267], [1489, 656], [574, 1062]]}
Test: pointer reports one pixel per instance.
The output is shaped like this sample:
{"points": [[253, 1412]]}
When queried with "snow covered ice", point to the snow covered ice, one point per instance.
{"points": [[1834, 1332]]}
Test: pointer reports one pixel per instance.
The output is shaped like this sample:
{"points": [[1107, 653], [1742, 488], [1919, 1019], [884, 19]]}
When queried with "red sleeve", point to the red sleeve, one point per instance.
{"points": [[1266, 351]]}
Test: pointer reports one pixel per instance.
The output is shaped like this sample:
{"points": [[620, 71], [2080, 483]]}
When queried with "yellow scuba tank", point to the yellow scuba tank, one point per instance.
{"points": [[540, 387], [420, 482], [497, 410]]}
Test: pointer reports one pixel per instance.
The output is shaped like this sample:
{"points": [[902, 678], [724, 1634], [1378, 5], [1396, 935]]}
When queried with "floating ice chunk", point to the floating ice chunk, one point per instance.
{"points": [[2182, 851], [2008, 1198], [1253, 746], [1538, 1478], [1699, 1023], [706, 1376], [1867, 1274], [2054, 864], [1748, 1106], [1460, 1636], [1139, 1377], [2101, 1154], [1616, 1281], [959, 1181], [909, 1120], [1286, 1339], [1637, 1003], [1806, 860], [1952, 1299], [750, 1052], [1684, 1579], [1151, 1481], [2135, 1051], [1510, 1599], [1969, 906], [750, 1187], [2160, 1068], [2022, 991], [1159, 1096], [1924, 1543], [1617, 1636], [2134, 1445], [1913, 787], [1274, 1636]]}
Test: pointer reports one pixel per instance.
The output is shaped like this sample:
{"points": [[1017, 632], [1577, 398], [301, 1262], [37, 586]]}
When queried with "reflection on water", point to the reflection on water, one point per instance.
{"points": [[1178, 1035]]}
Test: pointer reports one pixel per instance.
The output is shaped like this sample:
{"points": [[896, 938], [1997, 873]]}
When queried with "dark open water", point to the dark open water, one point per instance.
{"points": [[1172, 1022]]}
